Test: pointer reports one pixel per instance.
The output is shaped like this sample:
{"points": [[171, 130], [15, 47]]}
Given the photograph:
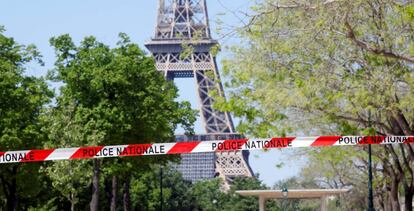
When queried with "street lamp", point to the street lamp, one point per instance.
{"points": [[284, 192], [285, 195], [161, 195]]}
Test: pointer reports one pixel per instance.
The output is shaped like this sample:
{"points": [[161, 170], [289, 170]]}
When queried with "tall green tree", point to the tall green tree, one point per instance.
{"points": [[22, 100], [112, 96], [330, 67]]}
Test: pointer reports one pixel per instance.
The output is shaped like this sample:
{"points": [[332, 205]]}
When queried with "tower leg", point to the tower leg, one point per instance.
{"points": [[228, 164], [215, 121]]}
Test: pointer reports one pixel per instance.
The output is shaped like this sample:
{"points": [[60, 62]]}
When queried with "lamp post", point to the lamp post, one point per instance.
{"points": [[285, 195], [370, 194], [161, 195]]}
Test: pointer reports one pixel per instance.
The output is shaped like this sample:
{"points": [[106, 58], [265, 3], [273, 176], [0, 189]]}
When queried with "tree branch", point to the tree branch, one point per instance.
{"points": [[407, 164], [386, 53], [403, 123], [365, 122]]}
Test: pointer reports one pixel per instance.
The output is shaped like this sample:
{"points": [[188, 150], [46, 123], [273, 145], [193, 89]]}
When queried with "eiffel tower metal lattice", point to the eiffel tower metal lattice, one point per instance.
{"points": [[186, 22]]}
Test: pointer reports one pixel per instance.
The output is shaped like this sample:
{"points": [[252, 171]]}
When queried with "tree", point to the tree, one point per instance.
{"points": [[145, 189], [209, 195], [330, 67], [238, 202], [69, 178], [113, 96], [342, 168], [22, 102]]}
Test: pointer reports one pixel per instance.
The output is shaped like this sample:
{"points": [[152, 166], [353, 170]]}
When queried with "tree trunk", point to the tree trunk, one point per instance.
{"points": [[408, 202], [127, 196], [72, 198], [94, 204], [388, 207], [72, 202], [108, 190], [395, 204], [114, 193], [380, 198], [13, 197]]}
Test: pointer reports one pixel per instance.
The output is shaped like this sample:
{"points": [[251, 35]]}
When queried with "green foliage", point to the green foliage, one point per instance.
{"points": [[238, 202], [209, 196], [302, 182], [215, 49], [109, 96], [22, 101], [300, 70], [22, 97], [328, 68], [50, 205], [204, 195], [145, 190], [69, 178], [187, 52], [116, 92]]}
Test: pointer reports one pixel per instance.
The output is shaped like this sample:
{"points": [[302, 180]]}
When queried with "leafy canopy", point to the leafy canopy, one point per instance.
{"points": [[116, 94], [323, 66], [22, 102], [109, 96]]}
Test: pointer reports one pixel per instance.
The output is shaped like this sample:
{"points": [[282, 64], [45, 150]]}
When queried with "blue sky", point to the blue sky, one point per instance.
{"points": [[35, 22]]}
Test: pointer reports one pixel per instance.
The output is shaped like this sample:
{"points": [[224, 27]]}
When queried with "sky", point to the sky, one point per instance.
{"points": [[35, 22]]}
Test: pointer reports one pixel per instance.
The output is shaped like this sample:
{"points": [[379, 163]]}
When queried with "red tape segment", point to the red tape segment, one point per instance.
{"points": [[194, 147]]}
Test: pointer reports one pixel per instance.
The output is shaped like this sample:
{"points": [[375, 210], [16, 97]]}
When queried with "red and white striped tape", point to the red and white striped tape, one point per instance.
{"points": [[194, 147]]}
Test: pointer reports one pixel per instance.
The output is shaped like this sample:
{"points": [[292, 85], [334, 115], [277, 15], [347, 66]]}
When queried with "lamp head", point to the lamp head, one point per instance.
{"points": [[284, 192]]}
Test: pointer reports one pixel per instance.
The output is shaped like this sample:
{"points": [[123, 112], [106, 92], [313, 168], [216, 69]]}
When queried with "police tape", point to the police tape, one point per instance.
{"points": [[194, 147]]}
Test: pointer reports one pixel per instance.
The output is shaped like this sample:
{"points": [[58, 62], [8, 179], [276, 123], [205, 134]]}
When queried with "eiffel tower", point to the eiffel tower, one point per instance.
{"points": [[185, 22]]}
